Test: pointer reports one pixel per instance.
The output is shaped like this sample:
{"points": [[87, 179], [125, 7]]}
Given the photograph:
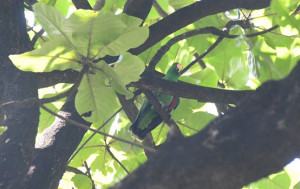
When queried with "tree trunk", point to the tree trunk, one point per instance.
{"points": [[17, 143]]}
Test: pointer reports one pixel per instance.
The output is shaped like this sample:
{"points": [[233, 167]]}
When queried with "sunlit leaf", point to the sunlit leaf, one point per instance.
{"points": [[48, 2], [50, 18], [53, 55], [2, 129]]}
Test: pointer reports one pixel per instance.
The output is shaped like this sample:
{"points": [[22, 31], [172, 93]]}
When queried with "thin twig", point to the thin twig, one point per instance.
{"points": [[165, 48], [87, 140], [28, 7], [88, 172], [74, 170], [207, 30], [184, 125], [114, 157], [159, 10], [36, 36], [214, 45], [77, 124]]}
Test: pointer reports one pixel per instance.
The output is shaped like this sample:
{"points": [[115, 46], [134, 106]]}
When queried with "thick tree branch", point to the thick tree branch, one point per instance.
{"points": [[253, 140], [190, 91], [138, 8], [192, 13], [36, 101], [82, 4]]}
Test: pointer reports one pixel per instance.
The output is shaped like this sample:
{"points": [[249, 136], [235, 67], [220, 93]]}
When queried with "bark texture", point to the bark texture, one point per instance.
{"points": [[17, 143]]}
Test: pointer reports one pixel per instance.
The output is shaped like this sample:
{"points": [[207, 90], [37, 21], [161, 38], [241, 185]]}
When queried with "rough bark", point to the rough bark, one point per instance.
{"points": [[17, 143], [253, 140], [54, 149]]}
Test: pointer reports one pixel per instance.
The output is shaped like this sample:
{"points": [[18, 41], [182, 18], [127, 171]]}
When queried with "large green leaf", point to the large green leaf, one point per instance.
{"points": [[96, 99], [90, 31], [283, 16], [51, 20], [53, 55], [132, 36], [103, 33], [230, 63], [123, 72], [112, 78], [129, 69]]}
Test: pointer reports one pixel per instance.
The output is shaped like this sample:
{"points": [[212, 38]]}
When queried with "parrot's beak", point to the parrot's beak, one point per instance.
{"points": [[179, 66]]}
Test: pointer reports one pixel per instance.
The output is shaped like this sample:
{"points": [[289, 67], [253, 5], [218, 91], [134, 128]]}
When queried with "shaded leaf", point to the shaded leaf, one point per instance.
{"points": [[82, 181]]}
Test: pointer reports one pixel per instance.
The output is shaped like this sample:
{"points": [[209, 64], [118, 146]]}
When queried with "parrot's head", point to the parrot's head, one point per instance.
{"points": [[173, 72]]}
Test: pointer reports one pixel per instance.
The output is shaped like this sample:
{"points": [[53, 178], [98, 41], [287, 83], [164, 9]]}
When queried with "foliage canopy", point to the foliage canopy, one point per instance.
{"points": [[241, 59]]}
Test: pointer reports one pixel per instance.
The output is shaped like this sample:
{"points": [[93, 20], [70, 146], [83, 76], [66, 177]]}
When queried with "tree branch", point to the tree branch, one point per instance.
{"points": [[174, 129], [159, 10], [192, 13], [82, 4], [190, 91]]}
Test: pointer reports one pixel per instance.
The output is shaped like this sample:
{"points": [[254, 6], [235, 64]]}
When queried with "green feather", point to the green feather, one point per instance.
{"points": [[148, 119]]}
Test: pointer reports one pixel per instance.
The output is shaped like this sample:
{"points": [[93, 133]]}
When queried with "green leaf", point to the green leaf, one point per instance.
{"points": [[48, 2], [297, 186], [195, 122], [237, 73], [96, 34], [177, 4], [96, 99], [160, 133], [64, 6], [91, 31], [94, 146], [279, 180], [113, 79], [50, 18], [129, 69], [269, 41], [206, 77], [283, 17], [230, 63], [132, 36], [82, 181], [2, 129], [53, 55]]}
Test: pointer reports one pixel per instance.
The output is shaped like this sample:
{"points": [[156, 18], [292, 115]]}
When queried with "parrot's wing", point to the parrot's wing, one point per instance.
{"points": [[141, 132]]}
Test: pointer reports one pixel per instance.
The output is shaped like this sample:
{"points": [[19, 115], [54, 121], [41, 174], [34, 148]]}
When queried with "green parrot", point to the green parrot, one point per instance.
{"points": [[148, 119]]}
